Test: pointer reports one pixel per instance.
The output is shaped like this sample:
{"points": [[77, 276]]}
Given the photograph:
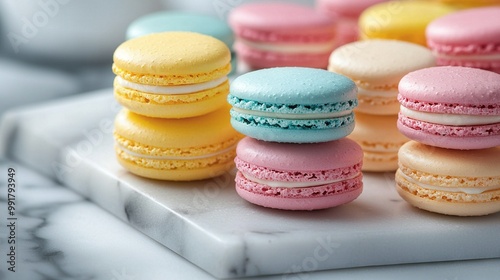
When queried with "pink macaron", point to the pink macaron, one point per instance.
{"points": [[346, 14], [468, 38], [275, 34], [299, 176], [451, 107]]}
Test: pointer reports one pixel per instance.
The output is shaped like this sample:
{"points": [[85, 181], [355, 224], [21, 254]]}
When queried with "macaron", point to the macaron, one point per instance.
{"points": [[451, 107], [277, 34], [293, 105], [172, 74], [377, 66], [380, 140], [298, 176], [447, 181], [176, 149], [346, 14], [400, 20], [466, 4], [468, 38]]}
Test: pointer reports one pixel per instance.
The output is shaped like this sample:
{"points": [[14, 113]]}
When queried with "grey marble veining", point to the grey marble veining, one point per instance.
{"points": [[208, 224]]}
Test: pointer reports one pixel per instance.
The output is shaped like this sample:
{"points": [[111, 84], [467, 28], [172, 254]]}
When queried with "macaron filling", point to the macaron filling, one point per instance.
{"points": [[449, 119], [294, 116], [179, 89], [173, 157], [287, 184]]}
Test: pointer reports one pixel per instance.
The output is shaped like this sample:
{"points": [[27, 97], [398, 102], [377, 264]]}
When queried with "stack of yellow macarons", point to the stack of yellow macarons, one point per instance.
{"points": [[175, 122]]}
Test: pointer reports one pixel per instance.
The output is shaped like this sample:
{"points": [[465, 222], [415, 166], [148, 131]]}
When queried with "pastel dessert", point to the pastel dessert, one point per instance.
{"points": [[172, 74], [164, 21], [176, 149], [293, 105], [451, 182], [346, 14], [468, 38], [465, 4], [298, 176], [380, 140], [377, 66], [451, 107], [401, 20], [275, 34]]}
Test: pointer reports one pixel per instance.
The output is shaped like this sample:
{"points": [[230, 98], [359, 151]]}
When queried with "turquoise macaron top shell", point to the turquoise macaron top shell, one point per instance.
{"points": [[181, 21], [293, 105]]}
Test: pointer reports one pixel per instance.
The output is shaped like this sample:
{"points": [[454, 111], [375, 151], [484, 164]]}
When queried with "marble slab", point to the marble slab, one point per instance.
{"points": [[209, 225], [61, 235]]}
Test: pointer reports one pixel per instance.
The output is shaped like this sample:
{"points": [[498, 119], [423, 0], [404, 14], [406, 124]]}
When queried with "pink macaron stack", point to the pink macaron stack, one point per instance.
{"points": [[468, 38], [346, 14], [451, 107], [277, 34]]}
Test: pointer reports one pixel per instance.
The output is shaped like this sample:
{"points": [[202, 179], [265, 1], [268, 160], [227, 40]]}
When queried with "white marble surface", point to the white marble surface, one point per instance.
{"points": [[60, 235], [209, 225]]}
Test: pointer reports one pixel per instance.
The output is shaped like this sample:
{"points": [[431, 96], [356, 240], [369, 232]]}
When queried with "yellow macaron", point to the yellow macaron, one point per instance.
{"points": [[400, 20], [469, 3], [172, 74], [176, 149], [380, 140]]}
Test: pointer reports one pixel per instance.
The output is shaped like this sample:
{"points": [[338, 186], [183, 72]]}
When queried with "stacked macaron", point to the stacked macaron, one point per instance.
{"points": [[295, 155], [377, 66], [468, 38], [452, 166], [175, 124], [277, 34]]}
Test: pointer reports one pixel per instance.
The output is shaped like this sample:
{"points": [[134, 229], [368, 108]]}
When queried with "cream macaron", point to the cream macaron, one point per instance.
{"points": [[376, 66], [447, 181]]}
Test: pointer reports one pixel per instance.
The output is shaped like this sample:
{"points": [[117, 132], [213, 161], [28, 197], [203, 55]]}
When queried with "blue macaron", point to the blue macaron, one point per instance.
{"points": [[293, 105]]}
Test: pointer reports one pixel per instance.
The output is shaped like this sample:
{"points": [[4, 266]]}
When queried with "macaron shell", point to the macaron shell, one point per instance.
{"points": [[177, 170], [292, 131], [259, 59], [379, 64], [448, 85], [294, 85], [472, 163], [338, 195], [450, 137], [345, 8], [176, 133], [172, 106], [254, 20], [172, 58], [380, 140], [447, 208], [400, 20], [300, 157], [466, 32]]}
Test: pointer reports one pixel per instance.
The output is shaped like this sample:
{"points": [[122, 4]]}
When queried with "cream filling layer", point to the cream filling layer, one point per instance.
{"points": [[291, 48], [205, 156], [484, 57], [279, 184], [181, 89], [438, 188], [449, 119], [377, 93], [293, 116]]}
